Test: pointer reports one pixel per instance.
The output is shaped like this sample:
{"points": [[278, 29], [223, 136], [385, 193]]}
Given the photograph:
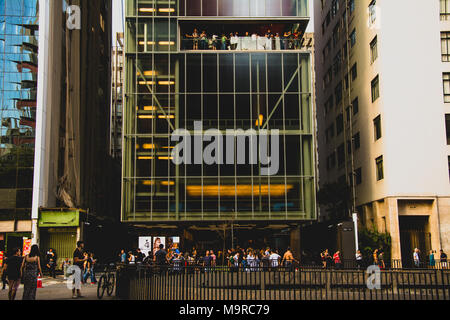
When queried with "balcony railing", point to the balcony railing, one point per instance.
{"points": [[253, 43]]}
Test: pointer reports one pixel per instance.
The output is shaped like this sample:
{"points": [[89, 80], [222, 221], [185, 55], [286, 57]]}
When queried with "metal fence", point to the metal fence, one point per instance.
{"points": [[256, 283]]}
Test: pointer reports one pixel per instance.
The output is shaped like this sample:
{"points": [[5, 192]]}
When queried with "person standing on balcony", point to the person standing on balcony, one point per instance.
{"points": [[432, 261], [223, 42], [416, 257], [443, 258], [359, 259], [195, 37], [337, 260]]}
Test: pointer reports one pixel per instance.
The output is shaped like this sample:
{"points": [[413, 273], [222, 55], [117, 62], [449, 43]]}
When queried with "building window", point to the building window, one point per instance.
{"points": [[373, 12], [449, 166], [329, 133], [375, 88], [380, 169], [329, 105], [358, 176], [377, 128], [445, 10], [354, 72], [351, 6], [339, 124], [356, 141], [341, 155], [331, 161], [353, 38], [447, 127], [338, 93], [355, 104], [446, 80], [374, 50], [445, 46], [337, 63]]}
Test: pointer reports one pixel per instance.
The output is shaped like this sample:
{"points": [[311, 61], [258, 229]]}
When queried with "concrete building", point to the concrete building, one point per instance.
{"points": [[382, 115], [248, 81], [117, 60], [56, 174]]}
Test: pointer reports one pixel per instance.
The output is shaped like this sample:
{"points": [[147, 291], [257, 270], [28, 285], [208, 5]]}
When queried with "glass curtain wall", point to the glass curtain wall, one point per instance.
{"points": [[167, 90], [18, 85]]}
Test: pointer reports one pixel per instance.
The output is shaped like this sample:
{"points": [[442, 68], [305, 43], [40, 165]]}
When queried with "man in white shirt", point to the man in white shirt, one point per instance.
{"points": [[416, 258], [274, 259]]}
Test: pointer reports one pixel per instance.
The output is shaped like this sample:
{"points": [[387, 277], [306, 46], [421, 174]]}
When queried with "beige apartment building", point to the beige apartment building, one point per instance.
{"points": [[383, 104]]}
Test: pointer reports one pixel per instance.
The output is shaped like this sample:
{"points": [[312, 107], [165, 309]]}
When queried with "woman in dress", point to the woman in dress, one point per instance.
{"points": [[31, 268]]}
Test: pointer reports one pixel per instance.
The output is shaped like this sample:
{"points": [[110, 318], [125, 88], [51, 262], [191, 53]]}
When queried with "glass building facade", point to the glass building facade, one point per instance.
{"points": [[169, 87], [18, 85]]}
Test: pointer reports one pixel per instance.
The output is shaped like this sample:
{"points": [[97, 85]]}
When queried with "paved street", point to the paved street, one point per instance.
{"points": [[56, 289]]}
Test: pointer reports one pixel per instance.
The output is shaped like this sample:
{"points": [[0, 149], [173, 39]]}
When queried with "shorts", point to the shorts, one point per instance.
{"points": [[14, 284]]}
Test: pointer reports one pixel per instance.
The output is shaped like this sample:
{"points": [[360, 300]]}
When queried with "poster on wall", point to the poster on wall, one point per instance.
{"points": [[173, 244], [145, 244], [1, 258], [26, 246], [157, 241]]}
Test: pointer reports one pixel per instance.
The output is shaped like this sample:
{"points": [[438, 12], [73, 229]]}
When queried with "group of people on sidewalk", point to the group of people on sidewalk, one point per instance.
{"points": [[18, 269]]}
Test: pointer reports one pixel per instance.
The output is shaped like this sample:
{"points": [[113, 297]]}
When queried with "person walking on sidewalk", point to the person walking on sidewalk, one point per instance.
{"points": [[78, 263], [11, 269], [30, 269]]}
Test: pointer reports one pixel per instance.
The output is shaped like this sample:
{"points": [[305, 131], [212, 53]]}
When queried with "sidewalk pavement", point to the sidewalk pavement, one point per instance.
{"points": [[56, 289]]}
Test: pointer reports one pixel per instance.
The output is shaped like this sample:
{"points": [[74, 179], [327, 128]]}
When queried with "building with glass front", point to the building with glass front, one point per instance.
{"points": [[223, 65], [18, 84]]}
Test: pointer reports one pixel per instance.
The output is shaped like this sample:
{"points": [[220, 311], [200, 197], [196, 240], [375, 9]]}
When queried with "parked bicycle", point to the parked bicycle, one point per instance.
{"points": [[107, 282]]}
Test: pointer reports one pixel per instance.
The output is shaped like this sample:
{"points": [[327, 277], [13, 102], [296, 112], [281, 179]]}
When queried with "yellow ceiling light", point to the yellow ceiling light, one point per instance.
{"points": [[146, 73], [165, 158], [148, 182], [275, 190], [143, 83], [168, 147], [145, 117], [147, 10], [148, 146], [149, 108], [167, 117], [167, 43], [141, 43], [166, 83], [137, 146], [167, 183], [166, 10], [145, 158]]}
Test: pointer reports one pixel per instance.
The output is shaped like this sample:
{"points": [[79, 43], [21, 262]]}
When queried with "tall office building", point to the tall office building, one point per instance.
{"points": [[382, 115], [19, 24], [183, 70], [116, 98]]}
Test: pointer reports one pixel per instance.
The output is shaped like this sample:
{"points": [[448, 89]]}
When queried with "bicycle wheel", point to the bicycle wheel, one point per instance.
{"points": [[101, 287], [111, 284]]}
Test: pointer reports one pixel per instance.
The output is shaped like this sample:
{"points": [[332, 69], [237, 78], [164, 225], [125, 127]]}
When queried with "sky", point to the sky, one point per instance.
{"points": [[118, 17]]}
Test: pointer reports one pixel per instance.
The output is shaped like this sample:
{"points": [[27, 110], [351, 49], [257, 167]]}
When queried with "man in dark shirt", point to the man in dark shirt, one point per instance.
{"points": [[443, 258], [78, 261], [12, 268], [160, 256]]}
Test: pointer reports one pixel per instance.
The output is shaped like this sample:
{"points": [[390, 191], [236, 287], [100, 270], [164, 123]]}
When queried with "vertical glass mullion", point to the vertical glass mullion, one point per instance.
{"points": [[268, 124], [201, 108], [284, 135], [218, 128], [300, 113]]}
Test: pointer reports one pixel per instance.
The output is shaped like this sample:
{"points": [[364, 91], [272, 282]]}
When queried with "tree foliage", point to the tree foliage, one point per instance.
{"points": [[369, 240]]}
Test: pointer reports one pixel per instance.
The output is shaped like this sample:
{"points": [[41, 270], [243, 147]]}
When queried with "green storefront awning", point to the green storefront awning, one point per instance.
{"points": [[54, 218]]}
